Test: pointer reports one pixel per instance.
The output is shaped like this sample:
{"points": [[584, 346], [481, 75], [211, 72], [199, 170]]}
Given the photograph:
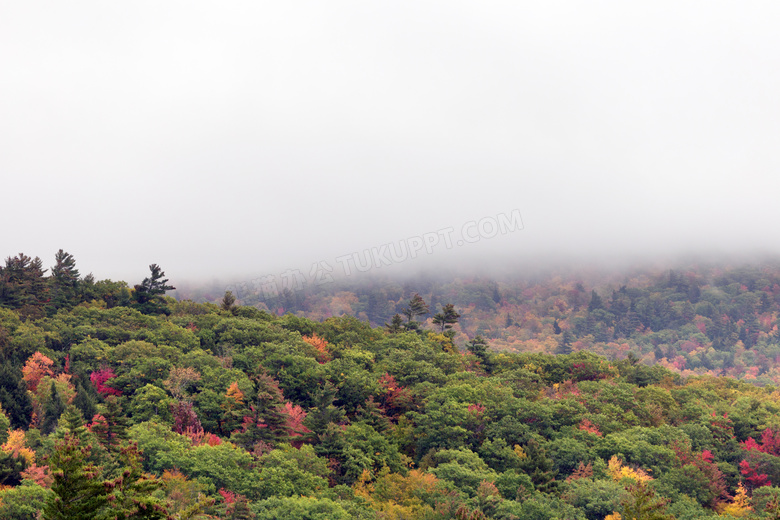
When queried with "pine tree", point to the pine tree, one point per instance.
{"points": [[233, 408], [72, 421], [22, 285], [14, 397], [266, 420], [539, 467], [416, 307], [228, 301], [63, 282], [595, 301], [564, 347], [85, 401], [372, 311], [149, 293], [52, 412], [131, 493], [323, 411], [447, 317], [479, 348], [396, 325], [11, 468], [78, 491], [111, 425]]}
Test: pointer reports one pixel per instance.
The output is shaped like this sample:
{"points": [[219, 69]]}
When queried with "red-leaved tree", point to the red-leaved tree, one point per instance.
{"points": [[99, 379]]}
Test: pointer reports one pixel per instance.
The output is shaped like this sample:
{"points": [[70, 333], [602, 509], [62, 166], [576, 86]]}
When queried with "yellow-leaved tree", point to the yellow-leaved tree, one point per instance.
{"points": [[398, 497], [740, 506], [618, 471]]}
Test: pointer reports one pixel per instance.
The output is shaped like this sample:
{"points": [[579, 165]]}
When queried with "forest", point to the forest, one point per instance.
{"points": [[582, 395], [695, 319]]}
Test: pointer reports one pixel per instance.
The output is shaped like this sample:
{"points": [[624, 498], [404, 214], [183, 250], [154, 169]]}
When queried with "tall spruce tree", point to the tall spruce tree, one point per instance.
{"points": [[479, 347], [132, 492], [396, 325], [111, 425], [63, 282], [14, 397], [228, 301], [52, 411], [323, 411], [78, 490], [23, 286], [85, 400]]}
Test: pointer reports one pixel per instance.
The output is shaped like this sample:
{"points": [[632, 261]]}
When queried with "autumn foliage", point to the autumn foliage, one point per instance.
{"points": [[35, 369], [740, 506], [751, 469], [16, 446], [99, 379], [321, 347], [248, 413], [770, 443], [619, 471]]}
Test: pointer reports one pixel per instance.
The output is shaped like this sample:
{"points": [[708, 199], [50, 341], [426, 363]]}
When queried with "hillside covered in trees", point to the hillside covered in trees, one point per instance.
{"points": [[696, 319], [534, 399]]}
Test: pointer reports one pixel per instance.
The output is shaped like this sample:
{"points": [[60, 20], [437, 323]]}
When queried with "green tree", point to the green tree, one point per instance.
{"points": [[23, 502], [464, 468], [446, 318], [113, 293], [538, 506], [150, 402], [301, 508], [63, 282], [23, 286], [287, 471], [222, 466], [53, 410], [323, 411], [78, 492], [595, 498], [162, 448], [266, 419], [396, 325], [149, 293], [228, 301], [479, 347], [111, 424], [366, 449], [131, 493], [416, 307], [642, 503]]}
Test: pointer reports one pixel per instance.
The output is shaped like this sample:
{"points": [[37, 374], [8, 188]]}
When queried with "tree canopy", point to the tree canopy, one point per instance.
{"points": [[115, 406]]}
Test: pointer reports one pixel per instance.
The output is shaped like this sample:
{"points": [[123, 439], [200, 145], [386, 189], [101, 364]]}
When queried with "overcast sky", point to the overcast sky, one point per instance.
{"points": [[224, 139]]}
